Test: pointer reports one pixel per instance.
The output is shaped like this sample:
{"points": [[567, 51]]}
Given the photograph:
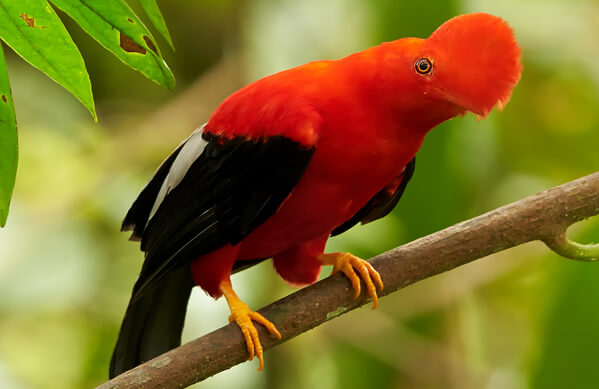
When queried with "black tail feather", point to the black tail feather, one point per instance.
{"points": [[154, 322]]}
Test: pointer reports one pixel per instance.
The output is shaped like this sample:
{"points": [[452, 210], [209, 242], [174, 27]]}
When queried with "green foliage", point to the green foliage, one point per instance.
{"points": [[35, 32], [118, 29], [155, 16], [8, 141]]}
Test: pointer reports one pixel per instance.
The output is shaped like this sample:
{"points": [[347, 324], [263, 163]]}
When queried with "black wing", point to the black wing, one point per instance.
{"points": [[137, 216], [381, 203], [232, 187]]}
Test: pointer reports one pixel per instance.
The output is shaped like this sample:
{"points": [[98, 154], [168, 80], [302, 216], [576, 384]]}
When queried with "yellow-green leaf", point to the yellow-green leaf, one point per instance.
{"points": [[8, 142], [34, 31], [153, 12], [116, 27]]}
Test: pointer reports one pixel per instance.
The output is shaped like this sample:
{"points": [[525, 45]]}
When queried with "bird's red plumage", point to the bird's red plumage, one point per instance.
{"points": [[292, 158], [366, 115]]}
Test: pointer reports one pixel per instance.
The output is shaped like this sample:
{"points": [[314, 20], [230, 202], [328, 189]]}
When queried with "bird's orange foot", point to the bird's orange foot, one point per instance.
{"points": [[348, 264], [243, 316]]}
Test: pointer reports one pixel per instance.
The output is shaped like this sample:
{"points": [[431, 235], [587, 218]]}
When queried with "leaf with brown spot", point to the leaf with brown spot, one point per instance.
{"points": [[153, 12], [129, 46], [116, 27], [8, 142], [33, 30], [150, 44], [29, 20]]}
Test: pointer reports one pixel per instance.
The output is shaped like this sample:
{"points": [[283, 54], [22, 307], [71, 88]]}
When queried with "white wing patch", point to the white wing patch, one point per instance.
{"points": [[191, 150]]}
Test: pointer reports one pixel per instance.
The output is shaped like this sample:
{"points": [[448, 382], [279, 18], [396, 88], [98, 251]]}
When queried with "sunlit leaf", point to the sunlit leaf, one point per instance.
{"points": [[153, 12], [116, 27], [8, 142], [33, 30]]}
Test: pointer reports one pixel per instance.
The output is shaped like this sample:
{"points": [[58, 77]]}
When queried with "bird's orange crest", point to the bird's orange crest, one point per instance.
{"points": [[477, 61]]}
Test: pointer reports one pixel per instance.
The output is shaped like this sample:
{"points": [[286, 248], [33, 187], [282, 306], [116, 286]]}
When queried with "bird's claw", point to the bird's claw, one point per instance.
{"points": [[348, 264], [243, 316]]}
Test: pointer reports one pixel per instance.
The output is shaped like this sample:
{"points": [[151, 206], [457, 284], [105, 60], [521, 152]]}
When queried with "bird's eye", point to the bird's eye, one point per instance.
{"points": [[423, 66]]}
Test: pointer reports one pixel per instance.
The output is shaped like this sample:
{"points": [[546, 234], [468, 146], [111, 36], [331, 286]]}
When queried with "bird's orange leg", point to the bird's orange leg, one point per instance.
{"points": [[243, 316], [348, 264]]}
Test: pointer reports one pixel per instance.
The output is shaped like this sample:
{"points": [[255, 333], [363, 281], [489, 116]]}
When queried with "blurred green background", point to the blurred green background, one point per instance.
{"points": [[523, 318]]}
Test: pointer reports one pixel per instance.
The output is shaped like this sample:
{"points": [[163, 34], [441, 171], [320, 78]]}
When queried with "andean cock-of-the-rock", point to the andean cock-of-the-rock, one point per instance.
{"points": [[293, 158]]}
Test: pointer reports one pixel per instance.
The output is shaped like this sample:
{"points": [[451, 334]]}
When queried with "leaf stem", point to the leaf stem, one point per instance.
{"points": [[573, 250]]}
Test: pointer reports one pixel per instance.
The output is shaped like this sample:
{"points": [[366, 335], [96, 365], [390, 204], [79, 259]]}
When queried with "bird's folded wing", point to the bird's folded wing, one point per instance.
{"points": [[215, 191], [381, 203]]}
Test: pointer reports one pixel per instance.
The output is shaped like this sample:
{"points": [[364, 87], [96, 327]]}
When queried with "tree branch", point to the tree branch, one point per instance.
{"points": [[544, 216]]}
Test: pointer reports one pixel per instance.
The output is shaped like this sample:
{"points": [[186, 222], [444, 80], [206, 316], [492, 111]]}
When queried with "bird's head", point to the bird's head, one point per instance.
{"points": [[470, 63]]}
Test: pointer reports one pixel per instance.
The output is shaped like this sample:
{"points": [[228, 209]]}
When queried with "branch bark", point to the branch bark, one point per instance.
{"points": [[544, 216]]}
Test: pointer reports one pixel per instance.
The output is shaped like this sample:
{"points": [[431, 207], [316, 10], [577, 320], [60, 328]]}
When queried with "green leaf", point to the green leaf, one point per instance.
{"points": [[8, 142], [116, 27], [33, 30], [153, 12]]}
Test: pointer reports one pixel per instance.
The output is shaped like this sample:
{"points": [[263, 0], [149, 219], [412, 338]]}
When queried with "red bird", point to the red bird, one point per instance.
{"points": [[294, 158]]}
